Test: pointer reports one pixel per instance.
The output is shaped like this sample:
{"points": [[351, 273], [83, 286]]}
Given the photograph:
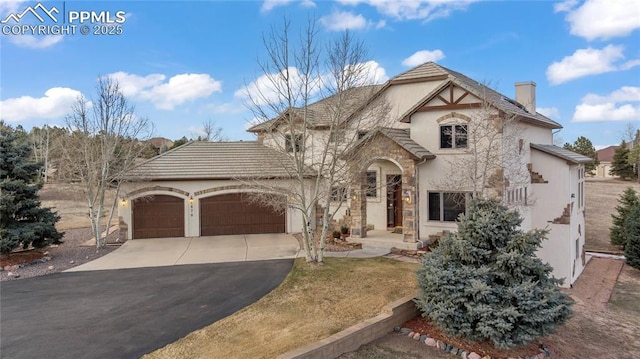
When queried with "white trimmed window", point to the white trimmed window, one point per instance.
{"points": [[453, 136]]}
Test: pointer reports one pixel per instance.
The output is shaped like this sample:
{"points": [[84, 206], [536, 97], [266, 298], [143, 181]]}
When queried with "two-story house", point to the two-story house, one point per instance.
{"points": [[446, 137]]}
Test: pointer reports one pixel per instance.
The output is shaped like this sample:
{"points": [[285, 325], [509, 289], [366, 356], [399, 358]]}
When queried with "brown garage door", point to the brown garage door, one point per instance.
{"points": [[158, 216], [231, 214]]}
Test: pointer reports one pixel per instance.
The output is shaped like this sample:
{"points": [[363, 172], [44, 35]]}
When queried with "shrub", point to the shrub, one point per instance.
{"points": [[632, 235], [627, 201], [486, 283]]}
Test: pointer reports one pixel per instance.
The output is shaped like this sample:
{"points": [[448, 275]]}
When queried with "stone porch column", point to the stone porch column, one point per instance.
{"points": [[359, 207], [409, 199]]}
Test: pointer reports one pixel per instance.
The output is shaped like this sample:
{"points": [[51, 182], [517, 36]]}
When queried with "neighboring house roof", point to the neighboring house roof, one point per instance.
{"points": [[400, 137], [606, 154], [561, 153], [492, 97], [216, 160], [320, 113]]}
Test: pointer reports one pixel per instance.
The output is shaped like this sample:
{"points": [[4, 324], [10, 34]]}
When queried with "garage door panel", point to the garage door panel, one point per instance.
{"points": [[233, 214], [158, 216]]}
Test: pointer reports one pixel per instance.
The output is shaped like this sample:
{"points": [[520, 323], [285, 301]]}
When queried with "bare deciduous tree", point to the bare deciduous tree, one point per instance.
{"points": [[312, 112], [212, 132], [491, 159], [102, 146]]}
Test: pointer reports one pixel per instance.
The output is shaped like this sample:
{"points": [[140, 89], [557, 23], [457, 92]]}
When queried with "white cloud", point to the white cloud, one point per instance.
{"points": [[589, 61], [179, 89], [551, 112], [272, 88], [422, 56], [228, 108], [620, 105], [254, 121], [56, 102], [601, 19], [564, 5], [269, 5], [35, 42], [343, 20], [426, 10], [376, 74]]}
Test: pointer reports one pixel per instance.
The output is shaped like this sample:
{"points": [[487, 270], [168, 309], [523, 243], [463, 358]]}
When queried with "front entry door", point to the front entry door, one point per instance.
{"points": [[394, 201]]}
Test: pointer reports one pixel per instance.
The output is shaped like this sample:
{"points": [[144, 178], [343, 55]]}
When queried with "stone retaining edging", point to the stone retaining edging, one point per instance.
{"points": [[350, 339]]}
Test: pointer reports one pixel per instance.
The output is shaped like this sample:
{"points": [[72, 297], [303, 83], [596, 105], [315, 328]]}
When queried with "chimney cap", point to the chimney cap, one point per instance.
{"points": [[521, 83]]}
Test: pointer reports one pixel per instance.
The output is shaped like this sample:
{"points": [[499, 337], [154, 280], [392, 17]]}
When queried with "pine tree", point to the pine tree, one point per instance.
{"points": [[584, 147], [22, 221], [620, 165], [627, 201], [632, 235], [486, 283]]}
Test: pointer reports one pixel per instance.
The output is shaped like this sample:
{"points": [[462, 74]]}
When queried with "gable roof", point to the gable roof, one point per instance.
{"points": [[402, 138], [606, 154], [561, 153], [215, 160], [319, 114], [496, 99]]}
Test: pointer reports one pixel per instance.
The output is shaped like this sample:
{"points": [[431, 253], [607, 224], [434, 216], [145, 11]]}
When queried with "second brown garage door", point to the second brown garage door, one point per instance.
{"points": [[233, 214]]}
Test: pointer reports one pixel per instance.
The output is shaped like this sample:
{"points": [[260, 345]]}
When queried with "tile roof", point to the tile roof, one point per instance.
{"points": [[215, 160], [562, 153], [400, 137], [495, 98], [606, 154], [403, 139], [320, 113], [428, 69]]}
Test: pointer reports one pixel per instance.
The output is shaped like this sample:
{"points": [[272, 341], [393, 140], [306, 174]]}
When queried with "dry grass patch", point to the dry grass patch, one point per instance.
{"points": [[312, 303], [601, 201], [68, 200]]}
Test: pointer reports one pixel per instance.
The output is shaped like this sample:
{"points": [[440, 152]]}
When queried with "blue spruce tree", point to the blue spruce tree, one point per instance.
{"points": [[485, 283], [23, 222]]}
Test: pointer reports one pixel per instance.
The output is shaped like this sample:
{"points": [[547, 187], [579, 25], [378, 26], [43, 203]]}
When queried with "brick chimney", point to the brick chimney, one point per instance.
{"points": [[526, 95]]}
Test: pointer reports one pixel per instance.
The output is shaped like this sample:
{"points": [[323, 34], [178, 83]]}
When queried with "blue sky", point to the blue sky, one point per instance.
{"points": [[182, 63]]}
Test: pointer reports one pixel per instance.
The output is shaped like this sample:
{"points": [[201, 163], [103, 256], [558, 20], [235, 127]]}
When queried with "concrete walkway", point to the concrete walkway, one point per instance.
{"points": [[161, 252]]}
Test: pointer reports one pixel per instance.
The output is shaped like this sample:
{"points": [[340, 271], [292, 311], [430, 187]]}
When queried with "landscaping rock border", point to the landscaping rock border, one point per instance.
{"points": [[435, 343]]}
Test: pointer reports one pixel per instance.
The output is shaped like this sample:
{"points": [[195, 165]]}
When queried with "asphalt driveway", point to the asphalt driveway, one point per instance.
{"points": [[125, 313]]}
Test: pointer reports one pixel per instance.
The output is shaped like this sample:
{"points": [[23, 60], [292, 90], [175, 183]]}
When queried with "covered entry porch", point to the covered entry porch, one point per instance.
{"points": [[384, 193]]}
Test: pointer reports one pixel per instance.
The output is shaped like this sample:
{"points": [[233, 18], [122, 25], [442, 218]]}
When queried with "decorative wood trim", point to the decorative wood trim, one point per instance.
{"points": [[449, 107], [461, 97]]}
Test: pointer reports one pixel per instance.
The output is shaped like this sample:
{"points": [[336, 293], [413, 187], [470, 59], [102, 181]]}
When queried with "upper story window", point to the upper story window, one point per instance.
{"points": [[453, 136], [372, 184], [293, 140]]}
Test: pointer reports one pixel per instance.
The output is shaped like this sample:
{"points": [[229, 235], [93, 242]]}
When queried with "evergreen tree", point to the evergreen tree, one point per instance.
{"points": [[620, 165], [584, 147], [486, 283], [22, 221], [627, 201], [180, 142], [632, 235]]}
